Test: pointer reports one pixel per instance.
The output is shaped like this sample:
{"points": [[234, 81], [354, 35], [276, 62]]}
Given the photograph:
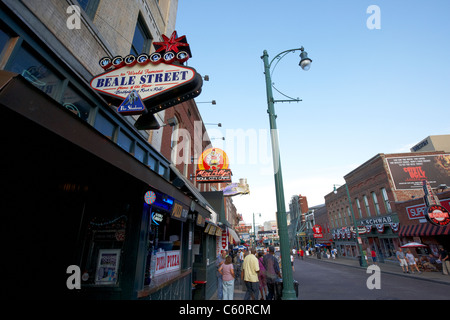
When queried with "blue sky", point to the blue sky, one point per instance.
{"points": [[367, 92]]}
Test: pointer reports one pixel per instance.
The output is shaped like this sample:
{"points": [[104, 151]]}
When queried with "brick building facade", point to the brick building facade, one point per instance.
{"points": [[378, 193]]}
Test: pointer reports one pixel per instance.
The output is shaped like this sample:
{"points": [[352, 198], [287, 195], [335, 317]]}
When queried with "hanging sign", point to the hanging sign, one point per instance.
{"points": [[149, 83], [179, 212], [438, 215], [213, 166]]}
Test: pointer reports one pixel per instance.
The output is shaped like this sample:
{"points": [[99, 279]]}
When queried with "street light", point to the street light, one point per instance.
{"points": [[358, 239], [212, 102], [288, 280], [254, 229]]}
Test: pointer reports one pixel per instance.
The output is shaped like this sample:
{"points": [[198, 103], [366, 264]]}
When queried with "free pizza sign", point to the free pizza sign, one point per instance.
{"points": [[149, 83]]}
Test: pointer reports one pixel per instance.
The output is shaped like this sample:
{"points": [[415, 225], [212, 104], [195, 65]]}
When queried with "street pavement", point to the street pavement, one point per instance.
{"points": [[388, 267]]}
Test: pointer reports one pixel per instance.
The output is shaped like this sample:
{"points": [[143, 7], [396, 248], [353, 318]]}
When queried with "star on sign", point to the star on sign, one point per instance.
{"points": [[172, 44]]}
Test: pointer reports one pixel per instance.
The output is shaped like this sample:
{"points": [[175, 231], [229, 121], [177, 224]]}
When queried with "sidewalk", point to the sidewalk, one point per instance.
{"points": [[239, 290], [388, 267]]}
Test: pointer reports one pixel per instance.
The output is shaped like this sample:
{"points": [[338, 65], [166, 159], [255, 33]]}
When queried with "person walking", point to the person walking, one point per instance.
{"points": [[374, 256], [227, 272], [219, 262], [301, 253], [241, 257], [443, 256], [411, 261], [401, 258], [262, 276], [250, 272], [270, 262]]}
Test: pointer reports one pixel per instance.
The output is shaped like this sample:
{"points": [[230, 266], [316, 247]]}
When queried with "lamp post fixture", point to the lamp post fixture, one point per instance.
{"points": [[363, 260], [254, 229], [288, 281]]}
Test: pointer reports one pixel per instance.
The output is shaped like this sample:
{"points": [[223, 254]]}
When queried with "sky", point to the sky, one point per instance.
{"points": [[379, 83]]}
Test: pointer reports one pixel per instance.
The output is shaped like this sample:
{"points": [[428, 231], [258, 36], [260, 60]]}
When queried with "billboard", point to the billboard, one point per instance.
{"points": [[408, 172]]}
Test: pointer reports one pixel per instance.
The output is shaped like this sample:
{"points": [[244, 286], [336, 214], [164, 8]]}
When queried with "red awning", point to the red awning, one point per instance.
{"points": [[425, 229]]}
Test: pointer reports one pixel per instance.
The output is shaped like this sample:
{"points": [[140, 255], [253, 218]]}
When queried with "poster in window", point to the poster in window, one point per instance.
{"points": [[107, 266]]}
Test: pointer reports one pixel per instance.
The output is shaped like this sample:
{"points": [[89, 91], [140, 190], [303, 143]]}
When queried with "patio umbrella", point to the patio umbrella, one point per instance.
{"points": [[413, 245]]}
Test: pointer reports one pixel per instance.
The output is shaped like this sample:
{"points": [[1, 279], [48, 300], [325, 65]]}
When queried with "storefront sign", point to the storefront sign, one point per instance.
{"points": [[213, 166], [153, 82], [179, 212], [418, 211], [438, 215], [167, 261], [172, 260], [160, 263], [374, 221], [200, 221], [157, 217], [408, 172], [318, 235], [317, 229]]}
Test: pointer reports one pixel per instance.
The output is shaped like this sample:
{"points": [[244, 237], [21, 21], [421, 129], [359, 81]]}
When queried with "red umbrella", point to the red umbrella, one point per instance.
{"points": [[413, 245]]}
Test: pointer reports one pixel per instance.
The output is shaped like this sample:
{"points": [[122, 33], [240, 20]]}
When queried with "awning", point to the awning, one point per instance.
{"points": [[180, 181], [424, 229], [234, 235]]}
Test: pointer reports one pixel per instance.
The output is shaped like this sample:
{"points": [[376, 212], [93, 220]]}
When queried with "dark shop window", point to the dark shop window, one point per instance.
{"points": [[32, 68], [76, 103]]}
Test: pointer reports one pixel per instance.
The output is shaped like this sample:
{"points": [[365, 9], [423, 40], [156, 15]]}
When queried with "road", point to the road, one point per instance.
{"points": [[327, 281]]}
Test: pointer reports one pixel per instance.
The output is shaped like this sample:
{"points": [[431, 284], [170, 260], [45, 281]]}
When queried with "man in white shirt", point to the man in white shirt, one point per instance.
{"points": [[250, 273]]}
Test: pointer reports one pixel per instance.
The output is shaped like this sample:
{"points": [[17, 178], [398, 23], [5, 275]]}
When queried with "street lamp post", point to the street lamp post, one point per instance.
{"points": [[288, 280], [363, 260]]}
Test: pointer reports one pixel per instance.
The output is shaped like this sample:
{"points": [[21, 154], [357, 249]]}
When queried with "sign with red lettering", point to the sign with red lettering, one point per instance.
{"points": [[213, 166], [408, 172], [160, 263], [172, 260], [418, 211], [147, 84], [167, 261], [438, 215], [317, 229]]}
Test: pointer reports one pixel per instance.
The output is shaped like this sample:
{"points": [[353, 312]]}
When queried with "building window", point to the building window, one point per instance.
{"points": [[358, 205], [125, 142], [4, 39], [349, 215], [151, 162], [375, 202], [141, 39], [139, 153], [106, 127], [366, 203], [386, 200], [76, 103], [32, 68], [89, 6], [162, 170]]}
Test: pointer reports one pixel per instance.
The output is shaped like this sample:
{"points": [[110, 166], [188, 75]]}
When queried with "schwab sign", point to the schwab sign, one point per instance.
{"points": [[149, 83]]}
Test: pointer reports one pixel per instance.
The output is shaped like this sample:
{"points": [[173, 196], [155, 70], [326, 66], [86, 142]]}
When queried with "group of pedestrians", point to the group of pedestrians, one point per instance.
{"points": [[258, 271], [408, 261]]}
